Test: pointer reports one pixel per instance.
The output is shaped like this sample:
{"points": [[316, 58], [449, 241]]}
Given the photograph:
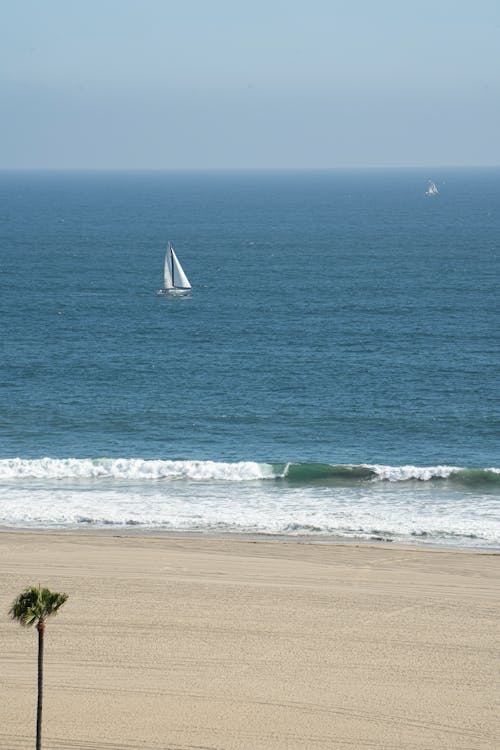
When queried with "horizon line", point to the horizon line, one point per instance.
{"points": [[247, 169]]}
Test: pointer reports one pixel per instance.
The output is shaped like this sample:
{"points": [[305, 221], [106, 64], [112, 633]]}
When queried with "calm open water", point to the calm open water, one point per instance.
{"points": [[335, 371]]}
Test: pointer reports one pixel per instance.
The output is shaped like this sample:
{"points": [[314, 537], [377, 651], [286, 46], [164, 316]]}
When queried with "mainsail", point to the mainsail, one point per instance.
{"points": [[432, 189], [175, 278], [168, 269], [179, 277]]}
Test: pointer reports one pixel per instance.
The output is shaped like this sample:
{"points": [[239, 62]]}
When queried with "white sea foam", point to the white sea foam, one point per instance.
{"points": [[207, 496], [131, 469], [403, 473], [138, 469], [398, 512]]}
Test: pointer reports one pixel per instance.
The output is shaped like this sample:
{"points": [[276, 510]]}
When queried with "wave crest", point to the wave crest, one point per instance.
{"points": [[305, 473], [131, 469]]}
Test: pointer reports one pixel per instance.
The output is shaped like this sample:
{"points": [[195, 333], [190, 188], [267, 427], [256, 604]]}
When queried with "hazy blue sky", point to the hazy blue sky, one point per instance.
{"points": [[253, 83]]}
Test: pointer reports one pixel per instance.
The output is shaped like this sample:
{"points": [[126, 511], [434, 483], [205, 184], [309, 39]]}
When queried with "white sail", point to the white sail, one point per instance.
{"points": [[168, 268], [432, 189], [176, 281], [180, 278]]}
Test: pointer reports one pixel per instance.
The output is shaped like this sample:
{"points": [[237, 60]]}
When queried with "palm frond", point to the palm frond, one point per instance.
{"points": [[35, 604]]}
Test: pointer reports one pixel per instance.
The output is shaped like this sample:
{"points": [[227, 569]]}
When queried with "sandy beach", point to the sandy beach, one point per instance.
{"points": [[227, 644]]}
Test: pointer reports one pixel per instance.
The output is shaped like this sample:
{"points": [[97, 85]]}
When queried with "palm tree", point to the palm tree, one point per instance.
{"points": [[35, 605]]}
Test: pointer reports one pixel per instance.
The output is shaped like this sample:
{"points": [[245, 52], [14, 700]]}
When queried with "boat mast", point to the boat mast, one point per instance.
{"points": [[172, 264]]}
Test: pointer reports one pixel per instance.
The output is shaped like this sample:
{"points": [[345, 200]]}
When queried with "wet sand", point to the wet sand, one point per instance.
{"points": [[226, 644]]}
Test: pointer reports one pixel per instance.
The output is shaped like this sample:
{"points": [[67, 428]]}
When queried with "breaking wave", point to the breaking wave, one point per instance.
{"points": [[132, 469], [136, 469]]}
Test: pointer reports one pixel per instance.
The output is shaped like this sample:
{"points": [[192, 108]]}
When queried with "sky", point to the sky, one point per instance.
{"points": [[236, 84]]}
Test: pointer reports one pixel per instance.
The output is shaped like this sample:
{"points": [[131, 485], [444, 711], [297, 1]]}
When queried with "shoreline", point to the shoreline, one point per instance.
{"points": [[245, 644], [136, 531]]}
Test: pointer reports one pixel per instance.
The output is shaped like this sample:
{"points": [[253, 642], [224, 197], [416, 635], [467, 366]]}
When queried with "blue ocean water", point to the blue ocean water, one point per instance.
{"points": [[334, 371]]}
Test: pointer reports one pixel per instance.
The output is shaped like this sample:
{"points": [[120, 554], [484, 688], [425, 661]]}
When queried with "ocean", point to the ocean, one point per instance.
{"points": [[333, 374]]}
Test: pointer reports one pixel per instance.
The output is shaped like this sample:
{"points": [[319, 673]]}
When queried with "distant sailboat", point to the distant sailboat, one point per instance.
{"points": [[431, 189], [176, 281]]}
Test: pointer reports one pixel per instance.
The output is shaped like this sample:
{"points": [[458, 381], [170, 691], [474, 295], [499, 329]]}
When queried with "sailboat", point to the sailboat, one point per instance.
{"points": [[431, 189], [176, 281]]}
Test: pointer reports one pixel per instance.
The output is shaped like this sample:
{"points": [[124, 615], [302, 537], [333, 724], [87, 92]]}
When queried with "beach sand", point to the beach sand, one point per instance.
{"points": [[222, 644]]}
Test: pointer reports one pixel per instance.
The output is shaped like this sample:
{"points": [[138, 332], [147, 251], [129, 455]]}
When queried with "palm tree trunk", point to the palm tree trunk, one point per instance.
{"points": [[41, 629]]}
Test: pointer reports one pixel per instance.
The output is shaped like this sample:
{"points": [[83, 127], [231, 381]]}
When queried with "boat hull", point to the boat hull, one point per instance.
{"points": [[174, 292]]}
